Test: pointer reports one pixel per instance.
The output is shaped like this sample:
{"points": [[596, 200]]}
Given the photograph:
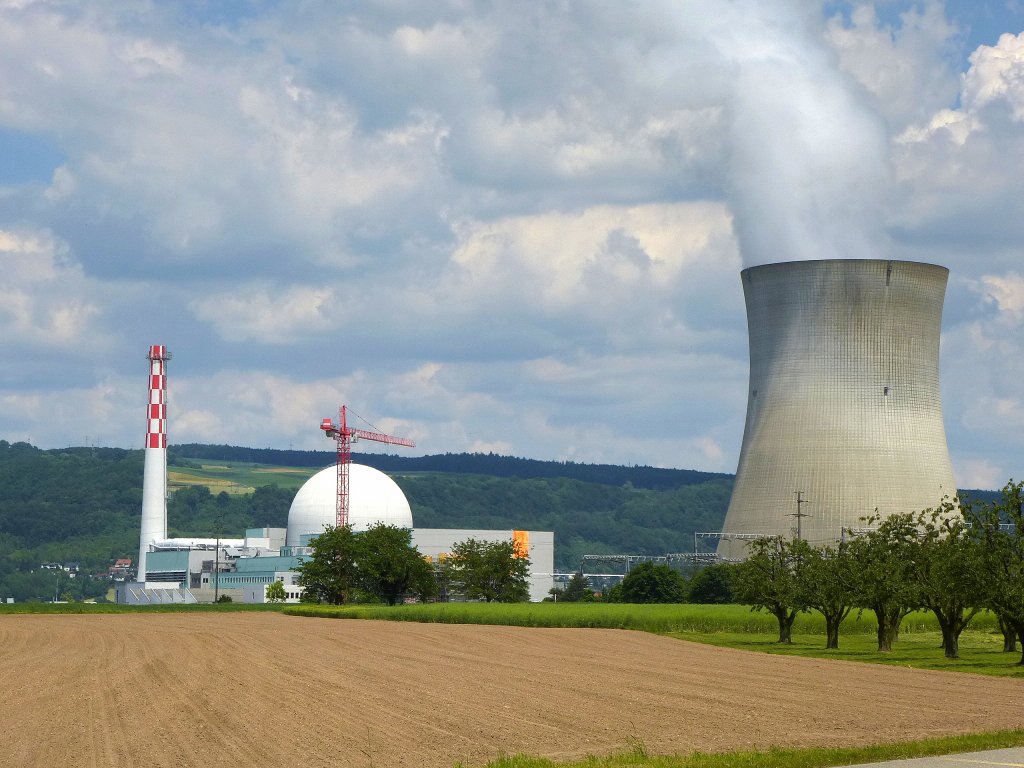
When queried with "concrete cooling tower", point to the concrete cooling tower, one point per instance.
{"points": [[843, 406]]}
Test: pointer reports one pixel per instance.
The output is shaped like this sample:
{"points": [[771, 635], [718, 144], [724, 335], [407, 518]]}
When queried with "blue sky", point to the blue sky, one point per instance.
{"points": [[489, 226]]}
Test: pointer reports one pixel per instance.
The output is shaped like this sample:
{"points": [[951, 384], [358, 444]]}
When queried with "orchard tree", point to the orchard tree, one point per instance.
{"points": [[712, 585], [946, 565], [650, 583], [329, 574], [275, 592], [489, 570], [769, 580], [1003, 556], [388, 565], [577, 590], [884, 583], [827, 578]]}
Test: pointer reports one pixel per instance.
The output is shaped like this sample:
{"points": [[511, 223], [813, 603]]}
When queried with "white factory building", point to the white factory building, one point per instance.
{"points": [[197, 570]]}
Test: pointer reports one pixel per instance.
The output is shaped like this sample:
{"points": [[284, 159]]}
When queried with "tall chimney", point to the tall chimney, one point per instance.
{"points": [[154, 482]]}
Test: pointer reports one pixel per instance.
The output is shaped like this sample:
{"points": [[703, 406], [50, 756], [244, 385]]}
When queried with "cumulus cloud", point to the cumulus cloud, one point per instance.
{"points": [[1007, 291], [906, 67], [43, 301], [494, 224], [261, 313]]}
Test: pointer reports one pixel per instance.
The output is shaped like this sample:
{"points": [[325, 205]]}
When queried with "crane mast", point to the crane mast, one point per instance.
{"points": [[344, 436]]}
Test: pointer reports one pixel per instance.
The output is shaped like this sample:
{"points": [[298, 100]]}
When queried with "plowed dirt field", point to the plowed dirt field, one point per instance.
{"points": [[245, 690]]}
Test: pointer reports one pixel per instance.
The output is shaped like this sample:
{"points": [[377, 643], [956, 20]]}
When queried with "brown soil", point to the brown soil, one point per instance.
{"points": [[244, 690]]}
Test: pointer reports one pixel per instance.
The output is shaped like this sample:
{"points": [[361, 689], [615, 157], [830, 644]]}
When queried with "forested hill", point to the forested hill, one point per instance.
{"points": [[83, 504], [490, 464]]}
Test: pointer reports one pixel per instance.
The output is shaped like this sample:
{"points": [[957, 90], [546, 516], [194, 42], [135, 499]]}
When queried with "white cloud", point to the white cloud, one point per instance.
{"points": [[43, 297], [906, 69], [504, 226], [261, 313], [1007, 291], [997, 74]]}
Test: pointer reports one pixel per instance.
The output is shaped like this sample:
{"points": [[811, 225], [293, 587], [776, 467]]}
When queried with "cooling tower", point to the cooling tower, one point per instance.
{"points": [[154, 479], [843, 405]]}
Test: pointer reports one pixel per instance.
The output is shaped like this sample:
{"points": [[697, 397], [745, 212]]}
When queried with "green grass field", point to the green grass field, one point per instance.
{"points": [[781, 758], [732, 626], [236, 477]]}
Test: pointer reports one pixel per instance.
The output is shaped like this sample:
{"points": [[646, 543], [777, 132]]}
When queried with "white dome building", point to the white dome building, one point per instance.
{"points": [[373, 497]]}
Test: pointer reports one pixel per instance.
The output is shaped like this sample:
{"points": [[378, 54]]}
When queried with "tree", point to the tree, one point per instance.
{"points": [[275, 592], [712, 585], [329, 573], [1003, 556], [768, 580], [389, 566], [577, 590], [883, 581], [490, 570], [827, 578], [650, 583], [946, 565]]}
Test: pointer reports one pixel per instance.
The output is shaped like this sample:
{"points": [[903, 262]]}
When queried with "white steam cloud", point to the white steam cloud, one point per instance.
{"points": [[807, 172]]}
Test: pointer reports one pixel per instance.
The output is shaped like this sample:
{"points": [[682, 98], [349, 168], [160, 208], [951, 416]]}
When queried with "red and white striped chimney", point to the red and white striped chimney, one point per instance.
{"points": [[154, 481]]}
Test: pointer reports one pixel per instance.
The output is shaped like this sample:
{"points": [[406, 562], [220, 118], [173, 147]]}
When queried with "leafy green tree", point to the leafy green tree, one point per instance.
{"points": [[613, 594], [577, 590], [329, 574], [650, 583], [1000, 528], [712, 585], [827, 578], [946, 565], [884, 583], [490, 570], [389, 566], [768, 580], [275, 592]]}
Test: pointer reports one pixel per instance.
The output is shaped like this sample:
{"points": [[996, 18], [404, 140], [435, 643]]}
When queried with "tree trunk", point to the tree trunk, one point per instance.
{"points": [[786, 619], [832, 622], [884, 643], [1018, 628], [888, 628], [1009, 635], [950, 640]]}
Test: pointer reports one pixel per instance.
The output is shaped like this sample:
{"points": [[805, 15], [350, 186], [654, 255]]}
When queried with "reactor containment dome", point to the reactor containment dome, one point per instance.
{"points": [[373, 498], [844, 415]]}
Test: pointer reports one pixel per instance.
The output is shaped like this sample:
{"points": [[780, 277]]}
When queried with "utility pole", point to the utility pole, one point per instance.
{"points": [[800, 514], [216, 567]]}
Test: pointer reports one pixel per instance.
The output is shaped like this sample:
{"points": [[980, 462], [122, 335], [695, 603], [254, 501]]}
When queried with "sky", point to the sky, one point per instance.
{"points": [[489, 226]]}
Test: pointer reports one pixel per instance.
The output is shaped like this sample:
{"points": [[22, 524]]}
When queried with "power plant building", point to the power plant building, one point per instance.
{"points": [[844, 414], [198, 569]]}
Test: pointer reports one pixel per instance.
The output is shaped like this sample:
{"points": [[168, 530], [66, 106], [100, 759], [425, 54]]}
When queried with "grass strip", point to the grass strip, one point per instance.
{"points": [[110, 608], [981, 652], [782, 758], [701, 619], [732, 626]]}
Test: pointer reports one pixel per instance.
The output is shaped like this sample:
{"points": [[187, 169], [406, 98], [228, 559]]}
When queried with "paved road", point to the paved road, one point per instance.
{"points": [[1008, 758]]}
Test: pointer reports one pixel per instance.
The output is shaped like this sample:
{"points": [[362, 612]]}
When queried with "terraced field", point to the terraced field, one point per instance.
{"points": [[248, 689]]}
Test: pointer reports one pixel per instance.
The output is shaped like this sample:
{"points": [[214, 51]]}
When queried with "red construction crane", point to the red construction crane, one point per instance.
{"points": [[345, 435]]}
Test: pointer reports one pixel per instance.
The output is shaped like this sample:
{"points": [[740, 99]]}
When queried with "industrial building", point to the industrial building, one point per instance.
{"points": [[844, 414], [189, 570]]}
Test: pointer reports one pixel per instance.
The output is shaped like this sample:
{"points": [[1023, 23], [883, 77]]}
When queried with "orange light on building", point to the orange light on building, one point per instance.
{"points": [[521, 543]]}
